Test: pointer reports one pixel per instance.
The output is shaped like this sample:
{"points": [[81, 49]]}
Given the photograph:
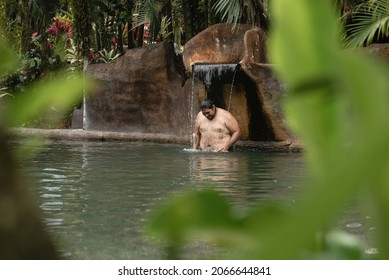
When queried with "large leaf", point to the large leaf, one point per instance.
{"points": [[7, 58], [303, 42], [59, 94], [338, 103]]}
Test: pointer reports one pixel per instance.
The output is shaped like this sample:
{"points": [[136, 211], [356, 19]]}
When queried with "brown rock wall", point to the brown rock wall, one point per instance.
{"points": [[140, 92]]}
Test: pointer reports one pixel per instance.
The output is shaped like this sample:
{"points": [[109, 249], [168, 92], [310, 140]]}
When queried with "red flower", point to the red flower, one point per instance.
{"points": [[53, 30], [70, 32], [58, 24]]}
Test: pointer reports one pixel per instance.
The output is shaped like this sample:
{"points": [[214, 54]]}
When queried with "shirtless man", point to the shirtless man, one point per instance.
{"points": [[215, 128]]}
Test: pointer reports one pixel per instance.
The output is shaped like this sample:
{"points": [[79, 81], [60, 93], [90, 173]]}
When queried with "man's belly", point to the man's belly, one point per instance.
{"points": [[210, 143]]}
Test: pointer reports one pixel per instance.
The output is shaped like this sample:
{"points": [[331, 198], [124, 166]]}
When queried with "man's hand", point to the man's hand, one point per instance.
{"points": [[223, 149]]}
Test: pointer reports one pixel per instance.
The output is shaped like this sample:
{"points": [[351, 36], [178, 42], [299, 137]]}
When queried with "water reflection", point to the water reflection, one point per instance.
{"points": [[249, 177], [217, 167], [96, 196]]}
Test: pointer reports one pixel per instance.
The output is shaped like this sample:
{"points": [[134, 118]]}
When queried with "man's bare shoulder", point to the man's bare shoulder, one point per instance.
{"points": [[224, 113], [200, 116]]}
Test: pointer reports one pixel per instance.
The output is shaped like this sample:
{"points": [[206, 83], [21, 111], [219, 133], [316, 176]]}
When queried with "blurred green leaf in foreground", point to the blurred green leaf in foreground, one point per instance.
{"points": [[22, 232], [338, 105], [57, 93]]}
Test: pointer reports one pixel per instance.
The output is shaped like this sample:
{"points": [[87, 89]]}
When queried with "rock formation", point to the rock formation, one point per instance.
{"points": [[144, 90], [257, 93], [140, 92]]}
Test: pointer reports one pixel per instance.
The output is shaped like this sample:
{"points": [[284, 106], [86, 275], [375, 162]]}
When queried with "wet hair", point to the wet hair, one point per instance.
{"points": [[207, 104]]}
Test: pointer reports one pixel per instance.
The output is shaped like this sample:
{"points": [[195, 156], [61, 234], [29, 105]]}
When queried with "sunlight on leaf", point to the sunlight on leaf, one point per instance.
{"points": [[59, 94], [7, 59], [205, 209]]}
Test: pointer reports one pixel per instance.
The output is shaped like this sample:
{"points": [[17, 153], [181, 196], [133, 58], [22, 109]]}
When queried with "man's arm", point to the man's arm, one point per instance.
{"points": [[234, 129], [234, 137], [196, 140]]}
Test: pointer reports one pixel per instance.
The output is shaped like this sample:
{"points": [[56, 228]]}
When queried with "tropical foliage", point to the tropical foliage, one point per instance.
{"points": [[367, 22], [61, 33], [248, 11]]}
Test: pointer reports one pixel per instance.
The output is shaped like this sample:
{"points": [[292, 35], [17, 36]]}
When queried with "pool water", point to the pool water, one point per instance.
{"points": [[96, 197]]}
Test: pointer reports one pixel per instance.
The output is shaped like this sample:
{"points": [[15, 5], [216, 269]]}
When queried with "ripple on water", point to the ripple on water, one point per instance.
{"points": [[354, 225], [371, 251]]}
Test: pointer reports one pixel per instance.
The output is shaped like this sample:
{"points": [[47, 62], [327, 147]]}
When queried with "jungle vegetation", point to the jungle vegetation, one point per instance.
{"points": [[49, 35]]}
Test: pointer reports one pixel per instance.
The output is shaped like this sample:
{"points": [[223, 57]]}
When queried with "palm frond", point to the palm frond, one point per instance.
{"points": [[369, 21], [230, 10], [149, 10]]}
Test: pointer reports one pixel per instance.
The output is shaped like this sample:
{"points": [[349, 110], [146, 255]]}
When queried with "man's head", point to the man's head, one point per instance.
{"points": [[208, 109]]}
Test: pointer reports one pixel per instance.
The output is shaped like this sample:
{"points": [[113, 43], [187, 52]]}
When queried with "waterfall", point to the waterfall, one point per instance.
{"points": [[207, 72], [191, 114], [84, 112], [232, 87]]}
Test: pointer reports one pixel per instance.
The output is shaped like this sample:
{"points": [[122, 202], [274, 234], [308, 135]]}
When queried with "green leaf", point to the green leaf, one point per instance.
{"points": [[202, 210], [308, 30], [370, 20], [8, 60], [302, 44], [60, 94]]}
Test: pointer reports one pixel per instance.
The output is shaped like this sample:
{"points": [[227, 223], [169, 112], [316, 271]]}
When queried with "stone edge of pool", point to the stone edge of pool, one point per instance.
{"points": [[94, 135]]}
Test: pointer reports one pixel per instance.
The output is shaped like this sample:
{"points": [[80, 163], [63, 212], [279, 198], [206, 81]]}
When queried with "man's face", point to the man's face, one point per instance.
{"points": [[209, 113]]}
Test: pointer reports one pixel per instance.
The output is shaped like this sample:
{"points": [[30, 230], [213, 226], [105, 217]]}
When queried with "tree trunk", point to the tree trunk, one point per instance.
{"points": [[120, 39], [168, 12], [82, 25], [188, 25], [130, 31], [11, 9], [26, 27], [210, 13], [141, 33], [262, 18]]}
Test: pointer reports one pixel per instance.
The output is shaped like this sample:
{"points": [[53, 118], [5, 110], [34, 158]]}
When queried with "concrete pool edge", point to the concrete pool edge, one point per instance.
{"points": [[94, 135]]}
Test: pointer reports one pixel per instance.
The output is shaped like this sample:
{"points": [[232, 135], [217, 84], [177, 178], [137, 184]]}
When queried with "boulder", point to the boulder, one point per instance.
{"points": [[139, 92], [380, 50], [223, 44]]}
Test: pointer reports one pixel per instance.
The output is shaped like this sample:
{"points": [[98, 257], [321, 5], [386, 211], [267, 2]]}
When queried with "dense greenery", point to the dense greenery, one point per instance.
{"points": [[58, 34], [367, 22], [337, 102], [54, 34]]}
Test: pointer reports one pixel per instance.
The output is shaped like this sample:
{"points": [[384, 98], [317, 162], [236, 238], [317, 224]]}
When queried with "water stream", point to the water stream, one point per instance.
{"points": [[208, 72], [232, 87]]}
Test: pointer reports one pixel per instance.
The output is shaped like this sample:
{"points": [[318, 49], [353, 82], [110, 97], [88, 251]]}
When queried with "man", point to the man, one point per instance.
{"points": [[215, 129]]}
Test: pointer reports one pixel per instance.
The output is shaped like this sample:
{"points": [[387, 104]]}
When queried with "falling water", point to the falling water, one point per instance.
{"points": [[232, 87], [84, 116], [191, 114], [207, 73]]}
